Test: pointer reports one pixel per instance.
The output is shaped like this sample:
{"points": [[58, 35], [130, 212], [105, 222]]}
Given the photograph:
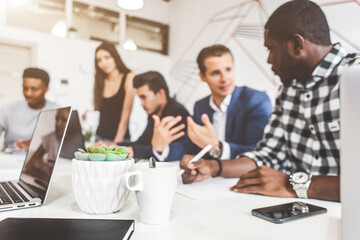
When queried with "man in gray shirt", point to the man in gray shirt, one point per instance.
{"points": [[18, 119]]}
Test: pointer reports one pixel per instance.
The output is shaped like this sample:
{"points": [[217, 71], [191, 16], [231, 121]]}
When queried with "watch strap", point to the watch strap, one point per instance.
{"points": [[301, 193]]}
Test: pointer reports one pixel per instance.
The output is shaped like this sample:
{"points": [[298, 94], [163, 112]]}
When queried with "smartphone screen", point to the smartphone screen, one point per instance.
{"points": [[287, 212]]}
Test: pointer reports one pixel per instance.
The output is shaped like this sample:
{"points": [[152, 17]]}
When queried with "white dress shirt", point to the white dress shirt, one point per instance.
{"points": [[219, 123]]}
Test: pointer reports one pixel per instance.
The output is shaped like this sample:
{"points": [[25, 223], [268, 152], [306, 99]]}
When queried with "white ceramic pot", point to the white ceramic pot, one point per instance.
{"points": [[97, 185]]}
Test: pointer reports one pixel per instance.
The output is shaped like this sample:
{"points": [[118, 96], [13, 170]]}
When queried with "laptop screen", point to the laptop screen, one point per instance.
{"points": [[73, 137], [44, 149]]}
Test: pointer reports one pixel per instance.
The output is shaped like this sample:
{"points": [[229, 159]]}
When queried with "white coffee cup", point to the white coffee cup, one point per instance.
{"points": [[92, 119], [155, 189]]}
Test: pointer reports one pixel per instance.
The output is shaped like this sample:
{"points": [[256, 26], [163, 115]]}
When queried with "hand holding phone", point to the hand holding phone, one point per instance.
{"points": [[287, 212]]}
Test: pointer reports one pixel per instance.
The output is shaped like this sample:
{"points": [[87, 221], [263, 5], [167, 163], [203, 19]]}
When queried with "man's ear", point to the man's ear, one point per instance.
{"points": [[296, 45], [202, 77], [161, 92]]}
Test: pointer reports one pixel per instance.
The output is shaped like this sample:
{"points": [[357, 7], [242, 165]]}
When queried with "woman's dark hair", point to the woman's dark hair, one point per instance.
{"points": [[299, 17], [100, 75]]}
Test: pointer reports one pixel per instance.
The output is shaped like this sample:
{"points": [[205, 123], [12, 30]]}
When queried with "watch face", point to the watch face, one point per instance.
{"points": [[300, 177], [216, 152]]}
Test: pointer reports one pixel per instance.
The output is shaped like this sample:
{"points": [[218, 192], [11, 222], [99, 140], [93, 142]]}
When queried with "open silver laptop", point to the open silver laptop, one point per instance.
{"points": [[32, 187]]}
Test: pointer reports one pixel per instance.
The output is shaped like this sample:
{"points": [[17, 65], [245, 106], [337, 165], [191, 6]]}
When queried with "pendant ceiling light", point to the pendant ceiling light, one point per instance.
{"points": [[130, 4], [59, 29], [129, 44]]}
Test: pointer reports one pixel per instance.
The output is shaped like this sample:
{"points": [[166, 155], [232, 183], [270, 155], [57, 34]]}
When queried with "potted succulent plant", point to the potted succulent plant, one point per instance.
{"points": [[97, 178]]}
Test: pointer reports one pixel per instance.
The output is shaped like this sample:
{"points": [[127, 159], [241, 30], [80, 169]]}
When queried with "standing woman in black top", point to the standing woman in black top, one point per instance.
{"points": [[113, 94]]}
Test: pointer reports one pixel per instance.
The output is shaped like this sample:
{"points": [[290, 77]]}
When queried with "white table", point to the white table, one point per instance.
{"points": [[218, 215]]}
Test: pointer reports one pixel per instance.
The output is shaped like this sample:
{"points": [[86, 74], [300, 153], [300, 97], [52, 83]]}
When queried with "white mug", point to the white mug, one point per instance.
{"points": [[92, 119], [155, 189]]}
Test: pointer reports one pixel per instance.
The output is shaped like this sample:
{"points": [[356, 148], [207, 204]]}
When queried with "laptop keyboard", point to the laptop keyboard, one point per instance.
{"points": [[10, 194]]}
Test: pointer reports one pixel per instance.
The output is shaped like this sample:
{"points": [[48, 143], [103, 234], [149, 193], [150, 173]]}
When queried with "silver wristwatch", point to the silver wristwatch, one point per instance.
{"points": [[217, 151], [300, 182]]}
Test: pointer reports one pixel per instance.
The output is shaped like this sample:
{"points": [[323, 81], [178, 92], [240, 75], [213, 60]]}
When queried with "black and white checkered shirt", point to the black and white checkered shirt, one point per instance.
{"points": [[303, 131]]}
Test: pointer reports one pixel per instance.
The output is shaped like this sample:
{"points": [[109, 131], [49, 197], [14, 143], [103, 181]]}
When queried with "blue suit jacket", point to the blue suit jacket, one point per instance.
{"points": [[247, 115]]}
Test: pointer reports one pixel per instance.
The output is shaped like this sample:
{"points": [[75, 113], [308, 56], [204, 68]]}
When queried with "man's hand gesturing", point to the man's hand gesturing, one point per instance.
{"points": [[165, 132]]}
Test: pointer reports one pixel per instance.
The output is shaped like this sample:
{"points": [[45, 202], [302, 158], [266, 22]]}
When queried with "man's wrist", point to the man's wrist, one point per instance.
{"points": [[290, 188], [220, 167], [130, 150], [215, 167], [217, 151], [161, 156], [158, 149]]}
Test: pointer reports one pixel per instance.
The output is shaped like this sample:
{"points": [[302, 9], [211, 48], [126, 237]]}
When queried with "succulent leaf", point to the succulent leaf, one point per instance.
{"points": [[97, 157], [98, 150], [121, 150], [102, 153], [89, 148], [112, 157]]}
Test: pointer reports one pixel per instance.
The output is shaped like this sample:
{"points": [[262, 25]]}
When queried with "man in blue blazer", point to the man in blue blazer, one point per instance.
{"points": [[231, 119]]}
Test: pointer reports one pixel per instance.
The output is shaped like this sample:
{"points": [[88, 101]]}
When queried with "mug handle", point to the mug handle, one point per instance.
{"points": [[126, 178]]}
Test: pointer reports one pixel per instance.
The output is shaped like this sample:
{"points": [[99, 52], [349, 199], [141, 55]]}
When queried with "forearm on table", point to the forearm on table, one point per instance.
{"points": [[122, 127], [123, 124], [235, 167], [127, 107], [325, 188]]}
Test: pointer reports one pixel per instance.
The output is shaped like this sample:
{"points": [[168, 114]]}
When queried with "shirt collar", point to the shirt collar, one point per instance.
{"points": [[223, 106], [167, 105], [325, 67]]}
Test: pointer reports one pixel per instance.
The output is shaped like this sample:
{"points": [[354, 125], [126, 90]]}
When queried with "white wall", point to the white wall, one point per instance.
{"points": [[73, 59], [192, 28]]}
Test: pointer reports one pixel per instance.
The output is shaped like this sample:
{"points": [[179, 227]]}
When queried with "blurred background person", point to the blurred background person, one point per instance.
{"points": [[231, 118], [18, 119], [113, 94], [166, 116]]}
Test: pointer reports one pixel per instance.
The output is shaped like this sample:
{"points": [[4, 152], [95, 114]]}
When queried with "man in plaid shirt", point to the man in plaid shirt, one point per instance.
{"points": [[302, 137]]}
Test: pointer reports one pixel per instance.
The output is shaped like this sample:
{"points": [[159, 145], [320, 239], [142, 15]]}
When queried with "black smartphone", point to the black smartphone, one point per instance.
{"points": [[287, 212]]}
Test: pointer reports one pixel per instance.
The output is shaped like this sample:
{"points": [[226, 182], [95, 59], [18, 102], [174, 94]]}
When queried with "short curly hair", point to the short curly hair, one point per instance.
{"points": [[37, 73], [299, 17]]}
